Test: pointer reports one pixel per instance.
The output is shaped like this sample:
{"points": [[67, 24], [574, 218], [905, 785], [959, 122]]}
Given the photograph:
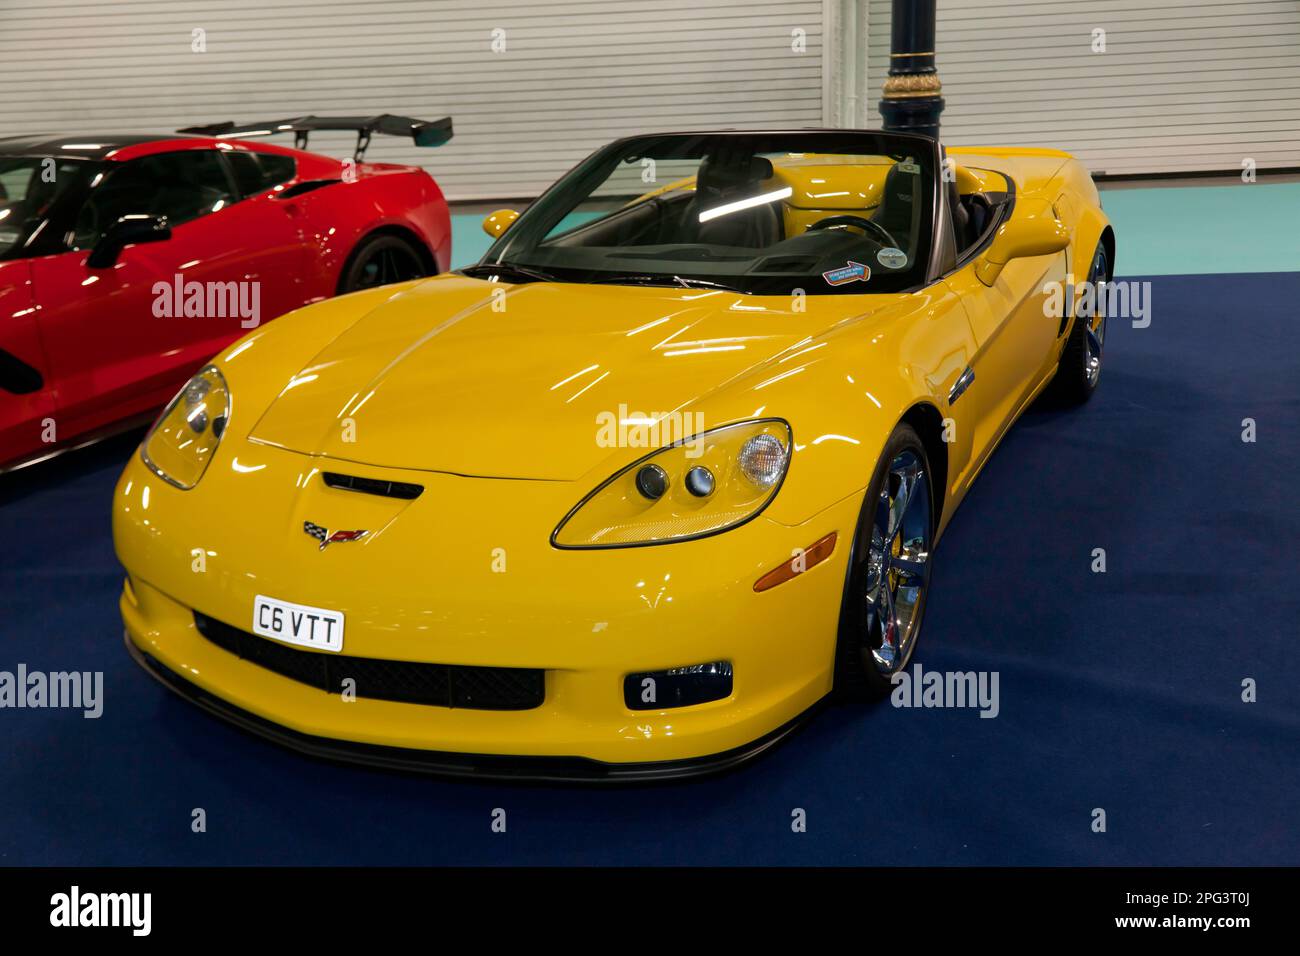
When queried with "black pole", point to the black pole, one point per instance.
{"points": [[911, 102]]}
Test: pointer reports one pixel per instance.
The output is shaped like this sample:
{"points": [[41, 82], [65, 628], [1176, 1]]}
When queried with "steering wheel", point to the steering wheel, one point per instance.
{"points": [[861, 222]]}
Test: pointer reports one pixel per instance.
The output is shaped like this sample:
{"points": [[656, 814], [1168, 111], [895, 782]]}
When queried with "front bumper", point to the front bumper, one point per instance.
{"points": [[586, 618], [462, 765]]}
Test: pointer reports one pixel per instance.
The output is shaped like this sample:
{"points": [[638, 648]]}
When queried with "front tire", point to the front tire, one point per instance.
{"points": [[889, 572], [1079, 369]]}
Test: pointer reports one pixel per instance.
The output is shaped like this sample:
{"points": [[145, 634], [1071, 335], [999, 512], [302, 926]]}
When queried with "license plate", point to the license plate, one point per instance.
{"points": [[299, 624]]}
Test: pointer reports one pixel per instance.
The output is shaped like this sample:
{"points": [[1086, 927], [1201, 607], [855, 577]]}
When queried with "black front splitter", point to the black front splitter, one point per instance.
{"points": [[463, 766]]}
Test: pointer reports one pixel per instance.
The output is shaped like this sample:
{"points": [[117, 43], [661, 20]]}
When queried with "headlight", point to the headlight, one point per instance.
{"points": [[708, 483], [184, 439]]}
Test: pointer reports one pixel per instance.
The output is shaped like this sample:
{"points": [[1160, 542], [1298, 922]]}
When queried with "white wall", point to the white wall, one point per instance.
{"points": [[573, 75], [1183, 85]]}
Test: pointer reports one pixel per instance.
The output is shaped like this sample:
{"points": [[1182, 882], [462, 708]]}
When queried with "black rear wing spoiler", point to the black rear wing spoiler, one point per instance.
{"points": [[422, 132]]}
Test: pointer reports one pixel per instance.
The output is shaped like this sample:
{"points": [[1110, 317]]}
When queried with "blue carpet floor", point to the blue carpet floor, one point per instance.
{"points": [[1119, 691]]}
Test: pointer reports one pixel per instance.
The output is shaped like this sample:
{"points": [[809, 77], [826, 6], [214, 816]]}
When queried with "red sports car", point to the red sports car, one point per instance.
{"points": [[126, 261]]}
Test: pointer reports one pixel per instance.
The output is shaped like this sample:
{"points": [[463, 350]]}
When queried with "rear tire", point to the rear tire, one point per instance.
{"points": [[1079, 369], [381, 260], [888, 577]]}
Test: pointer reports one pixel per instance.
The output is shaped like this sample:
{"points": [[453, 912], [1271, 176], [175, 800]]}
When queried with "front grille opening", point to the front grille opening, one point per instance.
{"points": [[408, 682], [408, 491], [678, 687]]}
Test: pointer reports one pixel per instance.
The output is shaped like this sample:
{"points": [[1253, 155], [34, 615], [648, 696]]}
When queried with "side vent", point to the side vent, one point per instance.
{"points": [[373, 486], [306, 186], [17, 376]]}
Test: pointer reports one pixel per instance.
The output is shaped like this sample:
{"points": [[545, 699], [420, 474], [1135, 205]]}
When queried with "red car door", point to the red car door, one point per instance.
{"points": [[25, 400], [122, 339], [279, 255], [30, 186]]}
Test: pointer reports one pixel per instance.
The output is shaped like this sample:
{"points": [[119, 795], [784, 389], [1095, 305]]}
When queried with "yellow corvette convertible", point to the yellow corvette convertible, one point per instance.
{"points": [[629, 497]]}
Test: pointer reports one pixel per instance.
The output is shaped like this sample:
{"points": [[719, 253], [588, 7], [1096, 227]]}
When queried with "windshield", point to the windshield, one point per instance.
{"points": [[29, 188], [774, 213]]}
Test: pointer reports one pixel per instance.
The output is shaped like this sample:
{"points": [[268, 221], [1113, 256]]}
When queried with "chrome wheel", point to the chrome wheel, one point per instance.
{"points": [[1078, 369], [897, 564], [1095, 330]]}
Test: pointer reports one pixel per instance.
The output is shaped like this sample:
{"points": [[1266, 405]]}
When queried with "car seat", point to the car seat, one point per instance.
{"points": [[721, 179]]}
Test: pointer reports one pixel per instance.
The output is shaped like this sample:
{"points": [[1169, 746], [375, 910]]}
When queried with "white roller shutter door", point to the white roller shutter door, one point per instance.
{"points": [[1183, 85], [572, 75]]}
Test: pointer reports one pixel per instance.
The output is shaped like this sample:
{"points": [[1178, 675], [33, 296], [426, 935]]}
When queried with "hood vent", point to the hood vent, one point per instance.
{"points": [[407, 491]]}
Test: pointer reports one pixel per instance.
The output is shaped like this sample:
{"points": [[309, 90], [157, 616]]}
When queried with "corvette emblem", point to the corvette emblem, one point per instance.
{"points": [[325, 537]]}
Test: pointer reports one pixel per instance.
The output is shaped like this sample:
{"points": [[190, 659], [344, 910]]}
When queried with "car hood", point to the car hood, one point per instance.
{"points": [[468, 377]]}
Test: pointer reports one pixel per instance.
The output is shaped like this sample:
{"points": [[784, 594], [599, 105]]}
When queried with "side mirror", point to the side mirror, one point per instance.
{"points": [[1041, 234], [499, 221], [127, 231]]}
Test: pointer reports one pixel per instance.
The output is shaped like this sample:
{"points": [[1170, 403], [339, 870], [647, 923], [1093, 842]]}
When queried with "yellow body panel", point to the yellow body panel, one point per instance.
{"points": [[495, 412]]}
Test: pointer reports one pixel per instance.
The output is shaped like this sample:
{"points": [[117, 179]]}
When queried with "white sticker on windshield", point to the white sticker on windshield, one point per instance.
{"points": [[892, 258], [909, 167]]}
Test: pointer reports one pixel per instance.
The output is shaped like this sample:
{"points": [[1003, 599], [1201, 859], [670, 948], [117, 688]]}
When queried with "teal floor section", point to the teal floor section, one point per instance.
{"points": [[1189, 230], [1181, 230], [468, 240]]}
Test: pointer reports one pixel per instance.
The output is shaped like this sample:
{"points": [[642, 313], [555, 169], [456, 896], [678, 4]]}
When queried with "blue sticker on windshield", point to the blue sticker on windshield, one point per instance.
{"points": [[852, 272], [892, 258]]}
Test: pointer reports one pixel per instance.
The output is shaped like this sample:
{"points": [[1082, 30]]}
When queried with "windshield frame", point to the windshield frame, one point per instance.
{"points": [[542, 216]]}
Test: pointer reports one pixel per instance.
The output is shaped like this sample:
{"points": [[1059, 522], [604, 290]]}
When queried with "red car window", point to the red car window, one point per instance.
{"points": [[180, 186], [258, 172]]}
